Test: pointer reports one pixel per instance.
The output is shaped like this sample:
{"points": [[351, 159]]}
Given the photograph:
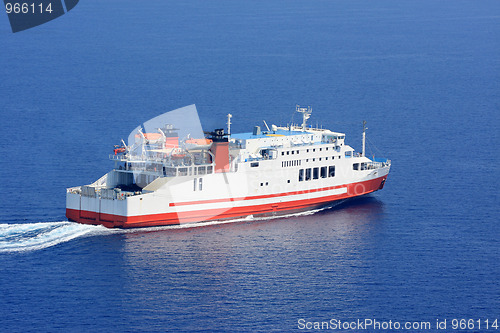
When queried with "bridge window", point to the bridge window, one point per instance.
{"points": [[323, 172], [355, 166], [331, 171], [308, 174], [315, 173], [301, 175]]}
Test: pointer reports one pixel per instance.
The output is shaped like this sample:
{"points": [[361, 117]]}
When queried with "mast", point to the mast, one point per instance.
{"points": [[229, 123], [306, 113], [364, 137]]}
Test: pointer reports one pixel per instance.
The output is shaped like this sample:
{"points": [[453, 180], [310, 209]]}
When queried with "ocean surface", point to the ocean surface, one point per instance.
{"points": [[424, 74]]}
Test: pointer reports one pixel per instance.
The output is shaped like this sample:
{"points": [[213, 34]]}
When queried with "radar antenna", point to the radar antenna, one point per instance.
{"points": [[306, 113]]}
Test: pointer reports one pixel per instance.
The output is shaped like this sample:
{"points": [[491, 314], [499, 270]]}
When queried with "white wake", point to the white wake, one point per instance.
{"points": [[36, 236]]}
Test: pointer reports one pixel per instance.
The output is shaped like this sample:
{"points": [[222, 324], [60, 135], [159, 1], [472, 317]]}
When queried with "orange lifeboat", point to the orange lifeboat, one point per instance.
{"points": [[119, 150], [196, 144]]}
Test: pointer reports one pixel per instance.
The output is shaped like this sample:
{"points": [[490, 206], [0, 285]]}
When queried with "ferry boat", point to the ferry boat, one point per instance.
{"points": [[171, 172]]}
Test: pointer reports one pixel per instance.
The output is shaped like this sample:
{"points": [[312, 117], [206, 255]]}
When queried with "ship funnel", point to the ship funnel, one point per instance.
{"points": [[171, 135], [220, 150]]}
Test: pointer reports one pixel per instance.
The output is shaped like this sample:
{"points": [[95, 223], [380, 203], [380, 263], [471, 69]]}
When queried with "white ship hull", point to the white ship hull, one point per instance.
{"points": [[241, 195], [286, 176]]}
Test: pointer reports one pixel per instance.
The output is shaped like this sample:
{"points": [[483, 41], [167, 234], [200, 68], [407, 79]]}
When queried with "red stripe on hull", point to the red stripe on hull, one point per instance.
{"points": [[264, 196], [109, 220]]}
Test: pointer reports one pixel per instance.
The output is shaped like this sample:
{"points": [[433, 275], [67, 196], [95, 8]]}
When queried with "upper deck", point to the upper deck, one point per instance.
{"points": [[291, 136]]}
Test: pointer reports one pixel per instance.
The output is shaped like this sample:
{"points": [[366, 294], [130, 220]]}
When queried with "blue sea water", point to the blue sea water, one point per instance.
{"points": [[426, 77]]}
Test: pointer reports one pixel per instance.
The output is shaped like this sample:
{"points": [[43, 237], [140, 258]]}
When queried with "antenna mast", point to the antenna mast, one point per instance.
{"points": [[229, 123], [364, 137], [306, 113]]}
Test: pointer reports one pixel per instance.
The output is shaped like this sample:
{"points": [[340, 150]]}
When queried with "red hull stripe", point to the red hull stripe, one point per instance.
{"points": [[265, 196], [109, 220]]}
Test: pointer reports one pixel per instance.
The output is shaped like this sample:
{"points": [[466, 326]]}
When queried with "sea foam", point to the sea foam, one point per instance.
{"points": [[36, 236]]}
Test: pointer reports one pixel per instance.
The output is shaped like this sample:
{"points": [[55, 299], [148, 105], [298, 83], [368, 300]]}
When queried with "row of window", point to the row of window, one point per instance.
{"points": [[316, 173], [292, 152], [187, 171], [267, 183], [359, 166], [299, 162], [289, 151], [326, 158], [291, 163]]}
